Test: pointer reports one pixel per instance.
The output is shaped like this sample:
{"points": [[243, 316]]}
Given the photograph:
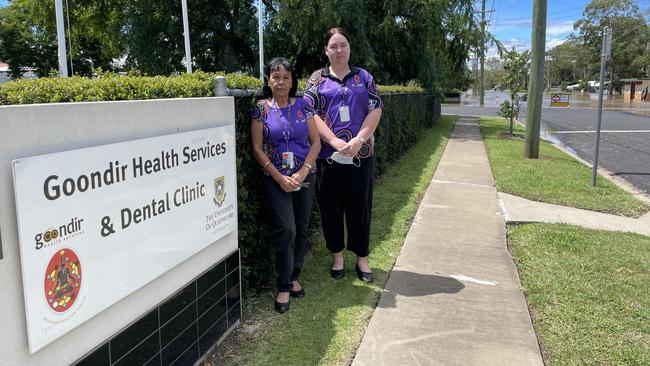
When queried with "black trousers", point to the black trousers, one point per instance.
{"points": [[290, 220], [345, 191]]}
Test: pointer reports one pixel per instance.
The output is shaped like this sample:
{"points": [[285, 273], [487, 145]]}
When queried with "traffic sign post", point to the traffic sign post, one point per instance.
{"points": [[606, 50]]}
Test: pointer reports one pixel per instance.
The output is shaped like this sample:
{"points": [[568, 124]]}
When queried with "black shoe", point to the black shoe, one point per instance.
{"points": [[298, 294], [337, 274], [281, 307], [364, 276]]}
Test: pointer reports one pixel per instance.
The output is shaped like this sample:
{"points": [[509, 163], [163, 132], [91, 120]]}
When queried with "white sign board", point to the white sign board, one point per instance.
{"points": [[98, 223]]}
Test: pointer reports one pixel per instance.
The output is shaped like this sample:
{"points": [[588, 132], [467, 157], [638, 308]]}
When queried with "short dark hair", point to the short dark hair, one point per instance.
{"points": [[333, 31], [274, 65]]}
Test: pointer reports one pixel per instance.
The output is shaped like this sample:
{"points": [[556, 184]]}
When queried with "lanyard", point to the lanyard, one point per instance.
{"points": [[286, 127], [343, 92]]}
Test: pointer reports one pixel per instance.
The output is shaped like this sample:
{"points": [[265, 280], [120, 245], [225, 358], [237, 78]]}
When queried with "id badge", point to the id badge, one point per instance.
{"points": [[287, 160], [344, 113]]}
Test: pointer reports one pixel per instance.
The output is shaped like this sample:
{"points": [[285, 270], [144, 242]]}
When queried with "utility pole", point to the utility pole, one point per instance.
{"points": [[548, 73], [186, 31], [60, 33], [475, 72], [260, 36], [607, 47], [482, 54], [536, 84]]}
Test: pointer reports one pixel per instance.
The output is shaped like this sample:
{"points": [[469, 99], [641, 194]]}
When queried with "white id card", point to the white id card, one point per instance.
{"points": [[287, 160], [344, 113]]}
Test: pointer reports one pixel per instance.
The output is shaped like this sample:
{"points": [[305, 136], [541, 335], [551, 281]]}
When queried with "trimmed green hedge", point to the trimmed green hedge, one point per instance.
{"points": [[116, 87], [404, 118], [110, 86]]}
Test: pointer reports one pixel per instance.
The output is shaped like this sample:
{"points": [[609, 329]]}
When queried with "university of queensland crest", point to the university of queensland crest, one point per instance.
{"points": [[219, 190]]}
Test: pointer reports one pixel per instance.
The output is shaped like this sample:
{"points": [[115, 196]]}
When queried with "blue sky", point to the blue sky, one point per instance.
{"points": [[511, 21]]}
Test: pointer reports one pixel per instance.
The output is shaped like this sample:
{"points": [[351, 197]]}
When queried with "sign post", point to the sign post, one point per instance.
{"points": [[604, 56]]}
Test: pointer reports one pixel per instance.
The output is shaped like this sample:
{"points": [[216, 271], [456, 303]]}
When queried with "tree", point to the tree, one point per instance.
{"points": [[565, 63], [630, 32], [514, 79], [434, 36], [95, 28], [494, 72], [28, 35], [26, 42], [222, 34], [295, 30], [397, 40]]}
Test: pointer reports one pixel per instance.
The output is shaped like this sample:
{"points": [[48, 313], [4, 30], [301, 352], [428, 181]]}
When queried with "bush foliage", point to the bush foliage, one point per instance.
{"points": [[407, 113], [110, 86]]}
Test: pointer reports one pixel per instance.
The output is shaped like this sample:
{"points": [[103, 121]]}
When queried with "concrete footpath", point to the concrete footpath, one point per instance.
{"points": [[454, 297], [517, 210]]}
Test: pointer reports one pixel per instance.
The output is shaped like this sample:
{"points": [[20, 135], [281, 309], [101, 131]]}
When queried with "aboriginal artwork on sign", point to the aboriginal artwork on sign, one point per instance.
{"points": [[62, 280]]}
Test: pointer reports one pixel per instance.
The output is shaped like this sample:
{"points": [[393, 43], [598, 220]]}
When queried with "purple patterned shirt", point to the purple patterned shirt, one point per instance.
{"points": [[326, 94], [285, 129]]}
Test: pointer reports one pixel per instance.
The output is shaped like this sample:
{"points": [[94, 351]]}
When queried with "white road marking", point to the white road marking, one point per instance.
{"points": [[602, 131]]}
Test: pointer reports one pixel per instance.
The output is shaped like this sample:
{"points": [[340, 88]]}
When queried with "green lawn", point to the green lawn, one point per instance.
{"points": [[326, 326], [553, 178], [589, 293]]}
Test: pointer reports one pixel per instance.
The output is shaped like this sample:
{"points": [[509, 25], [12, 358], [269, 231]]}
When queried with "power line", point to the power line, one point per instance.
{"points": [[491, 12], [629, 31], [496, 21]]}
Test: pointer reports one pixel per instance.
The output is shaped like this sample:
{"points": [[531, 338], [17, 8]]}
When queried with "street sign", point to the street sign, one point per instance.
{"points": [[607, 43], [560, 100]]}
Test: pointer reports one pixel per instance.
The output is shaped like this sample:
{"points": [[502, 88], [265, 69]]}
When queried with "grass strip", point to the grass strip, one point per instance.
{"points": [[326, 327], [555, 177], [588, 291]]}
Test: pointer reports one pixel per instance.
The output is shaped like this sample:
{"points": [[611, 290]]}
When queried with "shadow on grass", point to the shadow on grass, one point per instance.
{"points": [[327, 325]]}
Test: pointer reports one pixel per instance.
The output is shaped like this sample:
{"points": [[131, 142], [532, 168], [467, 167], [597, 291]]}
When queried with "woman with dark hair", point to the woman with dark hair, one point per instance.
{"points": [[286, 144], [348, 108]]}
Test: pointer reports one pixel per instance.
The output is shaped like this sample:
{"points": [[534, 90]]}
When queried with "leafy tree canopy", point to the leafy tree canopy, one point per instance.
{"points": [[579, 56], [397, 40]]}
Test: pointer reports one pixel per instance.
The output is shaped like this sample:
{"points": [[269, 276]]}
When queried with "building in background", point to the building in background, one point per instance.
{"points": [[633, 89], [5, 74]]}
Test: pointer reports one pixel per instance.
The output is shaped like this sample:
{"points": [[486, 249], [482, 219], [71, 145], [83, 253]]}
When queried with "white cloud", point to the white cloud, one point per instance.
{"points": [[491, 52], [553, 42], [559, 28], [521, 23], [518, 44]]}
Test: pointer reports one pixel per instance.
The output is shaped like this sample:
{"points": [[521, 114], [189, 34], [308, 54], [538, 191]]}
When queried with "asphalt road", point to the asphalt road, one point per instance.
{"points": [[624, 140]]}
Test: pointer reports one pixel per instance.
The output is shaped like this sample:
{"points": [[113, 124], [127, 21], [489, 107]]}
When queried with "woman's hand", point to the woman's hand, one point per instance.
{"points": [[352, 147], [301, 174], [337, 143], [288, 184]]}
